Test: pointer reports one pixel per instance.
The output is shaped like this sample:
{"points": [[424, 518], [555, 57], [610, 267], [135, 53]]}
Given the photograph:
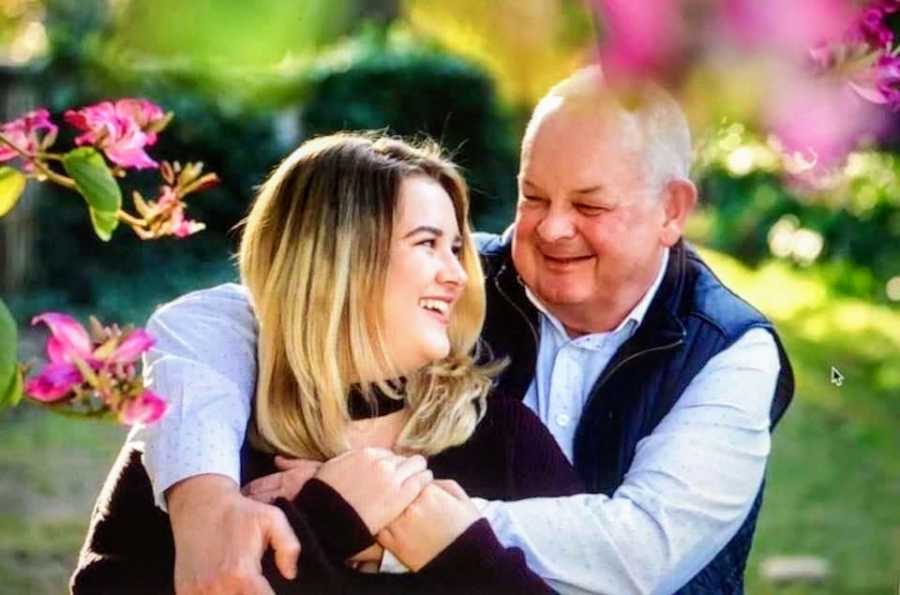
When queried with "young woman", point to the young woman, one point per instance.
{"points": [[367, 288]]}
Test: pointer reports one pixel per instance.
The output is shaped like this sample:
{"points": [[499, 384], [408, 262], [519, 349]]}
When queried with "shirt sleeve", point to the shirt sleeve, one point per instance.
{"points": [[204, 364], [690, 487]]}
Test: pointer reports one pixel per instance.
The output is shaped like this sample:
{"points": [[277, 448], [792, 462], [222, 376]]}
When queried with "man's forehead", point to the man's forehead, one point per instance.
{"points": [[566, 131]]}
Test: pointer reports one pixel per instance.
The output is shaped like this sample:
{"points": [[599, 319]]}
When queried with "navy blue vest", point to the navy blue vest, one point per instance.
{"points": [[692, 318]]}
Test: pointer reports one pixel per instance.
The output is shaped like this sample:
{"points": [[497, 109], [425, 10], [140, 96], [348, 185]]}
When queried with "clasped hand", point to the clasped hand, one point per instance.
{"points": [[410, 513]]}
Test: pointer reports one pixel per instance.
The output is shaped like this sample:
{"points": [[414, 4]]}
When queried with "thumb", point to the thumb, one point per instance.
{"points": [[452, 488], [285, 544]]}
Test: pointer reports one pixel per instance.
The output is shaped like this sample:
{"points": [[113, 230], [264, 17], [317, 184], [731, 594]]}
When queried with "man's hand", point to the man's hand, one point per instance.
{"points": [[440, 514], [220, 538], [287, 483], [377, 483]]}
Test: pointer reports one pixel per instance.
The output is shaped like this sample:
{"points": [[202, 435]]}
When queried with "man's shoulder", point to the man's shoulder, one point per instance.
{"points": [[228, 301], [719, 305], [494, 250], [490, 244]]}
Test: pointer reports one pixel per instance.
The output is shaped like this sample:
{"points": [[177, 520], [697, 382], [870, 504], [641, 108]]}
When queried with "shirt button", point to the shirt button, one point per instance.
{"points": [[562, 420]]}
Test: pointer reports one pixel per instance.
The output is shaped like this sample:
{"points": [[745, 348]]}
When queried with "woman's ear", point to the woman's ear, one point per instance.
{"points": [[679, 199]]}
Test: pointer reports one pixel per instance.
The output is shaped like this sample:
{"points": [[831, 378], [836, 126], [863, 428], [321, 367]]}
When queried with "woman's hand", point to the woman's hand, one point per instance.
{"points": [[377, 483], [440, 514]]}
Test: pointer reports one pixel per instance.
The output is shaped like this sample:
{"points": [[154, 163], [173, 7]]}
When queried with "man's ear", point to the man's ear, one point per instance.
{"points": [[679, 199]]}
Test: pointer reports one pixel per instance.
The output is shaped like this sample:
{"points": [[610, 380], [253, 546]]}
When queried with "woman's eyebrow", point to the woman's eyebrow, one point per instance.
{"points": [[425, 228]]}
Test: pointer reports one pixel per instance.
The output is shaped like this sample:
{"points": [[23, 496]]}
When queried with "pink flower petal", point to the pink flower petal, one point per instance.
{"points": [[642, 36], [140, 111], [70, 336], [790, 27], [117, 129], [130, 349], [26, 133], [127, 150], [820, 118], [53, 383], [146, 409]]}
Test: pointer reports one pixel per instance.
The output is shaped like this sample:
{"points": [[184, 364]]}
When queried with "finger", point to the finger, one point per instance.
{"points": [[386, 538], [285, 543], [452, 488], [266, 497], [288, 464], [413, 486], [299, 476], [410, 466], [263, 484]]}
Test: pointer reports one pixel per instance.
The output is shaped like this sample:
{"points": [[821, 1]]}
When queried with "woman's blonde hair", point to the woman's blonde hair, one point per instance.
{"points": [[314, 257]]}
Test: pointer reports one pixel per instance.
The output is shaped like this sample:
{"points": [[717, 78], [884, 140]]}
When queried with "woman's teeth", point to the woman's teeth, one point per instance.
{"points": [[439, 306]]}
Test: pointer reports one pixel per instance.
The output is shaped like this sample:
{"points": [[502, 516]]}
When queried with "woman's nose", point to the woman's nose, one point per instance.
{"points": [[452, 271]]}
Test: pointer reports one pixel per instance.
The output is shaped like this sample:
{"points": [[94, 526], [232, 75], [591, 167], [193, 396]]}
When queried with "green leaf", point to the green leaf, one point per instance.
{"points": [[10, 376], [14, 392], [104, 223], [12, 185], [98, 187]]}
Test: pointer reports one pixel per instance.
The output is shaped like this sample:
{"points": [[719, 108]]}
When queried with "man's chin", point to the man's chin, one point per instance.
{"points": [[560, 296]]}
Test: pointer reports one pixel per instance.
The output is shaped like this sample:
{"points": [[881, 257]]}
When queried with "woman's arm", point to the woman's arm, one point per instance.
{"points": [[129, 546]]}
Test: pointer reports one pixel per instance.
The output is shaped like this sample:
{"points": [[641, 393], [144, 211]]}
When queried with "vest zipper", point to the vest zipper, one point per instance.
{"points": [[606, 376], [534, 333]]}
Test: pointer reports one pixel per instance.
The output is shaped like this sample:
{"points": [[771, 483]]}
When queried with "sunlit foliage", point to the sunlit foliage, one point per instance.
{"points": [[526, 45]]}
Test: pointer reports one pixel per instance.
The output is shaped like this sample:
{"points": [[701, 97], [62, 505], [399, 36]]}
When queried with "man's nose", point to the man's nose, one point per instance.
{"points": [[556, 225]]}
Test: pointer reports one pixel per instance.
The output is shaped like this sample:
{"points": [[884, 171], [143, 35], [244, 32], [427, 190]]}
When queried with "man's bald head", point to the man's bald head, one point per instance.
{"points": [[647, 120]]}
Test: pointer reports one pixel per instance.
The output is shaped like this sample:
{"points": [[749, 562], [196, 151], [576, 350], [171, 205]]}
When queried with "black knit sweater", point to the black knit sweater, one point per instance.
{"points": [[129, 547]]}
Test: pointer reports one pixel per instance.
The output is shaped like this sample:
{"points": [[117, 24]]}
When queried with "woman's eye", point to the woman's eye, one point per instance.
{"points": [[430, 243], [457, 251]]}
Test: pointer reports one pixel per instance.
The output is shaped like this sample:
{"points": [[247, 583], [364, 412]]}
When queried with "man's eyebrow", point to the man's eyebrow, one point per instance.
{"points": [[589, 190]]}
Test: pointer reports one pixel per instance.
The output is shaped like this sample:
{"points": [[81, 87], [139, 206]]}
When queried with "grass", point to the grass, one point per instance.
{"points": [[834, 478]]}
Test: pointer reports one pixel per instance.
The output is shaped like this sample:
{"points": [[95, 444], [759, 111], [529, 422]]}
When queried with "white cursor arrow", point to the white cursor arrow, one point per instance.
{"points": [[837, 378]]}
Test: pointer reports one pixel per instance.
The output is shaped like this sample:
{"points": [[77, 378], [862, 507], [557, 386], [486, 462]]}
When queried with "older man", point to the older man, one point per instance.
{"points": [[660, 385]]}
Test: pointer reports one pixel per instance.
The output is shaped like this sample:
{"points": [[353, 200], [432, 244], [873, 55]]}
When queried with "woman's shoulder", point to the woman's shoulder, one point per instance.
{"points": [[508, 413]]}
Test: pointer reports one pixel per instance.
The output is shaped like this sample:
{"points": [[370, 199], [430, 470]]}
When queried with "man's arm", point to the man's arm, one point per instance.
{"points": [[204, 364], [691, 485]]}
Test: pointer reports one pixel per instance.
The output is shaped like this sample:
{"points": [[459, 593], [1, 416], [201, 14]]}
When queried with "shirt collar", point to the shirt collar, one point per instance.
{"points": [[632, 320]]}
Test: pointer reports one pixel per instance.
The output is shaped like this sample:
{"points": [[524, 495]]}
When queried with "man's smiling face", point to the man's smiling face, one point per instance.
{"points": [[589, 219]]}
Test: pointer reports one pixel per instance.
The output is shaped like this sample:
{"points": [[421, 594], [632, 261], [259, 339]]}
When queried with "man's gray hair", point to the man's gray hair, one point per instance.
{"points": [[659, 120]]}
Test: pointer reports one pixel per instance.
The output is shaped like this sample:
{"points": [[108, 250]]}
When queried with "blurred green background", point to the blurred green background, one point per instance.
{"points": [[248, 81]]}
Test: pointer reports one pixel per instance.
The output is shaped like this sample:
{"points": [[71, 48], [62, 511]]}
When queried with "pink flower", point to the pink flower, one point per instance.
{"points": [[789, 27], [821, 119], [871, 29], [121, 129], [181, 227], [54, 382], [25, 133], [144, 113], [69, 339], [642, 38], [171, 215], [881, 83], [145, 409], [132, 346]]}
